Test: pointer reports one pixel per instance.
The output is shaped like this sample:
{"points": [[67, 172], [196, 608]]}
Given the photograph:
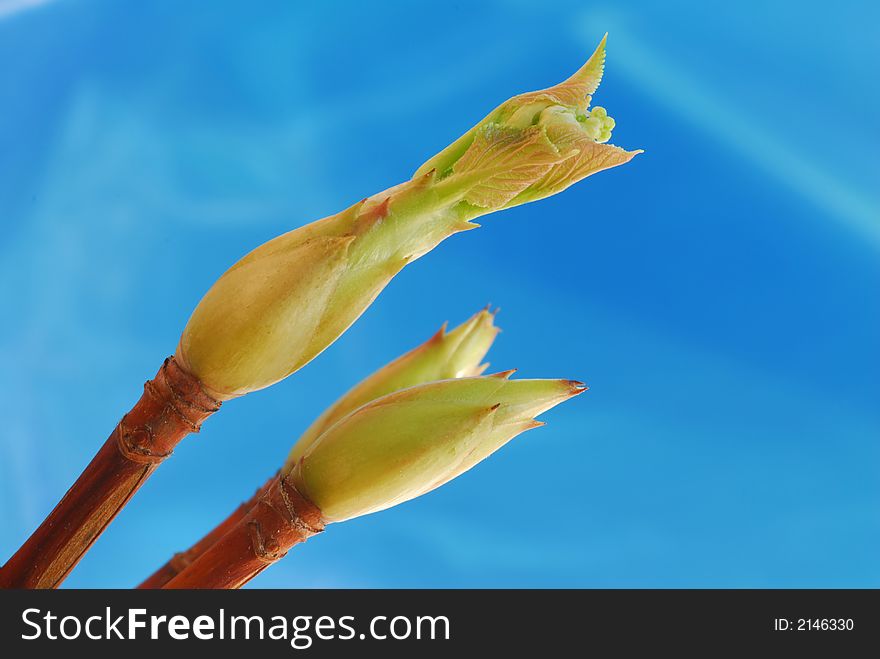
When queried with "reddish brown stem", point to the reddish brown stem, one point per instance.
{"points": [[181, 560], [173, 405], [280, 519]]}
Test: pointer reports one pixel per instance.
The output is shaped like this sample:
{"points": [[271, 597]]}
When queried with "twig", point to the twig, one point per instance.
{"points": [[172, 406], [281, 519]]}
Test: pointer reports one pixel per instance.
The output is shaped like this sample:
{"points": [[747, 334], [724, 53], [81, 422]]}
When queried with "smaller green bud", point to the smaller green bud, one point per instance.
{"points": [[409, 442], [444, 356]]}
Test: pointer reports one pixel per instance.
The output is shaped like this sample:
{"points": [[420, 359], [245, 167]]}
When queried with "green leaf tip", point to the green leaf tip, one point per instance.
{"points": [[590, 74], [532, 146]]}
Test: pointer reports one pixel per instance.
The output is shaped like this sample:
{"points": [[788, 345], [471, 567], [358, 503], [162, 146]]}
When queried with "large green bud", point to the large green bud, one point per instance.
{"points": [[286, 301]]}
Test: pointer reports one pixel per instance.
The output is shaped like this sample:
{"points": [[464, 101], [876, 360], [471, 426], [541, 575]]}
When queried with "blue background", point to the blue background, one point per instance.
{"points": [[719, 294]]}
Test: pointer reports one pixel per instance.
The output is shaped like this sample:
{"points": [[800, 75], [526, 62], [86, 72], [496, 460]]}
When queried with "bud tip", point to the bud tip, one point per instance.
{"points": [[576, 387]]}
